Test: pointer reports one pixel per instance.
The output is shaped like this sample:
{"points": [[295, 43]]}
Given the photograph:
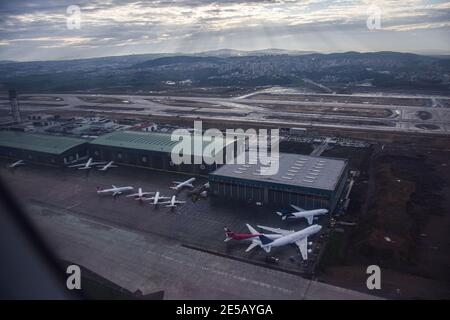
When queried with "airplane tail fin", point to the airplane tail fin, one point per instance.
{"points": [[228, 234], [283, 214]]}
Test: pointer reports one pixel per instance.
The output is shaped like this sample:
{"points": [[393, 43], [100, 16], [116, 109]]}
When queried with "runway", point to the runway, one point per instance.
{"points": [[278, 109]]}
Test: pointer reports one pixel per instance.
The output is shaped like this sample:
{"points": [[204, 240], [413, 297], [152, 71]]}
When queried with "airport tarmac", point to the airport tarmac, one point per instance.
{"points": [[403, 118], [138, 247]]}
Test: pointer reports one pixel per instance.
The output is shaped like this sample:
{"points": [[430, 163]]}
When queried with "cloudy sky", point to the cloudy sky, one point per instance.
{"points": [[38, 30]]}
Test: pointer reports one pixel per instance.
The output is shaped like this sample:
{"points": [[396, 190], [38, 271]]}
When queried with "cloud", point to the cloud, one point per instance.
{"points": [[120, 26]]}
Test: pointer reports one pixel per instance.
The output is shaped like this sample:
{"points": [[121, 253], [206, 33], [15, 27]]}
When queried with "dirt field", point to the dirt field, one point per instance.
{"points": [[356, 112], [103, 100], [187, 103], [403, 227], [415, 102]]}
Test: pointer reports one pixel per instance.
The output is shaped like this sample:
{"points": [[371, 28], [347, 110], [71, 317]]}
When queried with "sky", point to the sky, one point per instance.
{"points": [[55, 29]]}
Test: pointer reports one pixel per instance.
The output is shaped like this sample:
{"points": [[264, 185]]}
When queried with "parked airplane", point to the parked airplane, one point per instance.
{"points": [[253, 236], [173, 202], [140, 195], [86, 165], [302, 213], [299, 238], [107, 166], [180, 185], [115, 190], [17, 164], [156, 198]]}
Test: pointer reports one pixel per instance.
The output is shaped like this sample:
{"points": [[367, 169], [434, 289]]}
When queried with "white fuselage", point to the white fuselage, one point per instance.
{"points": [[308, 213], [116, 190], [295, 236], [17, 163], [187, 183]]}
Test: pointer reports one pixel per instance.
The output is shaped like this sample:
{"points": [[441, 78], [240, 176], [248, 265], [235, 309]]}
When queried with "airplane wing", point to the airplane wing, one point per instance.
{"points": [[252, 245], [97, 163], [310, 219], [276, 230], [251, 229], [165, 202], [132, 195], [77, 165], [297, 208], [303, 247]]}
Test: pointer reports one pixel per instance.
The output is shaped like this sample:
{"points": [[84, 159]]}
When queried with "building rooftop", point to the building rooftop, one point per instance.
{"points": [[294, 170], [38, 142], [149, 141]]}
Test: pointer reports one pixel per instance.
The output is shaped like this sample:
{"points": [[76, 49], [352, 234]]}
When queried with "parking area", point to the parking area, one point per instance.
{"points": [[199, 224]]}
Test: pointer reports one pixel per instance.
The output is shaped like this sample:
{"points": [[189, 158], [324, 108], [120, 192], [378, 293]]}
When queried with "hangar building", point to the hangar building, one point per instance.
{"points": [[306, 181], [148, 149], [41, 148]]}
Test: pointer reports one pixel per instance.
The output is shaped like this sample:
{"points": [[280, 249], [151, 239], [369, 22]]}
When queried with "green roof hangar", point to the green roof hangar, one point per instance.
{"points": [[41, 148], [152, 150]]}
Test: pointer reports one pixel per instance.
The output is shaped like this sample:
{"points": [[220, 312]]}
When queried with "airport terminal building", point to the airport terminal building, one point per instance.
{"points": [[41, 148], [149, 150], [305, 181]]}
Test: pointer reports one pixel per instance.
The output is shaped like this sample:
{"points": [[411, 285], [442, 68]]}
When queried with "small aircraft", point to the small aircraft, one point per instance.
{"points": [[173, 202], [140, 195], [156, 198], [17, 164], [86, 165], [253, 236], [107, 166], [309, 215], [180, 185], [299, 238], [115, 190]]}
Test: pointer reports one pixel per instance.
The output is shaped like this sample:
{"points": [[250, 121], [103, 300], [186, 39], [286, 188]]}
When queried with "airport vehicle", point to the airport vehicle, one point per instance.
{"points": [[115, 190], [299, 238], [253, 236], [173, 202], [181, 185], [87, 165], [140, 195], [107, 166], [309, 215], [155, 199], [17, 164]]}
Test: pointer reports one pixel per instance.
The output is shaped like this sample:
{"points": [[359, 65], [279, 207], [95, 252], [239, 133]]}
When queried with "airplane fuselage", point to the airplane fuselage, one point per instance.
{"points": [[308, 213], [295, 236], [116, 190]]}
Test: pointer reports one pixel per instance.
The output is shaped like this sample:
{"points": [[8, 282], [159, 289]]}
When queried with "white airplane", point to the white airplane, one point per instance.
{"points": [[140, 195], [17, 164], [299, 238], [253, 236], [86, 165], [309, 215], [173, 202], [180, 185], [115, 190], [156, 198], [107, 166]]}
